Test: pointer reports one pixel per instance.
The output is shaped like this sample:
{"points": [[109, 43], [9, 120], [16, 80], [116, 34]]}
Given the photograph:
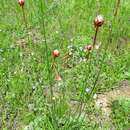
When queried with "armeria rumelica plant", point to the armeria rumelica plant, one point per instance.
{"points": [[98, 22], [21, 3], [56, 54], [56, 82]]}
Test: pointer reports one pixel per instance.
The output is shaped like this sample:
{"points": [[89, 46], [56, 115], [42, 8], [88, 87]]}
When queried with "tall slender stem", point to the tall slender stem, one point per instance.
{"points": [[95, 36], [101, 63], [24, 17], [46, 52], [88, 56], [117, 7], [25, 21]]}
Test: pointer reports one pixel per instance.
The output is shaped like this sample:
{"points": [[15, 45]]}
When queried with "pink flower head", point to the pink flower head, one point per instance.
{"points": [[98, 22], [88, 47], [56, 53], [21, 2]]}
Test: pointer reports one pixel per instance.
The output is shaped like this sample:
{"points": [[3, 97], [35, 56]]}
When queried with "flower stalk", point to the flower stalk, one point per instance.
{"points": [[56, 54], [117, 8], [22, 3], [98, 22]]}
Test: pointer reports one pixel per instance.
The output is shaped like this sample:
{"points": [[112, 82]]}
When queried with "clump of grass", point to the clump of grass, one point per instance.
{"points": [[121, 113]]}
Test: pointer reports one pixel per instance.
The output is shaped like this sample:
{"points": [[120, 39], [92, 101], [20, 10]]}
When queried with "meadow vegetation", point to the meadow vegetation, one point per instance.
{"points": [[55, 59]]}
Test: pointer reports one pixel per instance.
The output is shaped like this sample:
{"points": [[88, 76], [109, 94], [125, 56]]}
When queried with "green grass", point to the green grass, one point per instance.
{"points": [[121, 113], [26, 58]]}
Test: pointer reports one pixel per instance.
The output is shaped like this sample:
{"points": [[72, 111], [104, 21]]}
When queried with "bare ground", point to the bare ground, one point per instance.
{"points": [[104, 100]]}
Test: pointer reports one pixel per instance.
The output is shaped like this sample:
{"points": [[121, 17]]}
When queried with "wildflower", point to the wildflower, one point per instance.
{"points": [[88, 48], [98, 22], [15, 72], [31, 107], [71, 39], [84, 59], [21, 2], [87, 90], [57, 32], [53, 98], [95, 96], [32, 54], [70, 53], [80, 48], [97, 46], [56, 53], [69, 47], [34, 87]]}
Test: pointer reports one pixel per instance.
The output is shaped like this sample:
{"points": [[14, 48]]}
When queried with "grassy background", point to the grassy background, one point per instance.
{"points": [[68, 27]]}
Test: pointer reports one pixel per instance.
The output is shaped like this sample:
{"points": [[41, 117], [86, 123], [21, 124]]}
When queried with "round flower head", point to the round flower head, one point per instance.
{"points": [[88, 47], [21, 2], [98, 22], [56, 53]]}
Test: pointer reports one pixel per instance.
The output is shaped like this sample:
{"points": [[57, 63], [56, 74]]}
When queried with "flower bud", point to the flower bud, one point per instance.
{"points": [[88, 47], [21, 2], [56, 53], [98, 22]]}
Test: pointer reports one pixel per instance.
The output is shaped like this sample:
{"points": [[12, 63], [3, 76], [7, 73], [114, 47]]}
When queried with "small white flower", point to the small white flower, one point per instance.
{"points": [[95, 96], [42, 86], [98, 46], [87, 90], [70, 53], [21, 54], [15, 72], [69, 47], [85, 50], [80, 48], [32, 54], [80, 60], [34, 87], [84, 59], [57, 32], [53, 98], [21, 69], [71, 39], [40, 80], [31, 107]]}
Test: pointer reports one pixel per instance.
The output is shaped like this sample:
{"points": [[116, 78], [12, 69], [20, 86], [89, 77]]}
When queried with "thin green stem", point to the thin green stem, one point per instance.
{"points": [[24, 17], [83, 91], [101, 64], [46, 52], [117, 8], [25, 22], [95, 37]]}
